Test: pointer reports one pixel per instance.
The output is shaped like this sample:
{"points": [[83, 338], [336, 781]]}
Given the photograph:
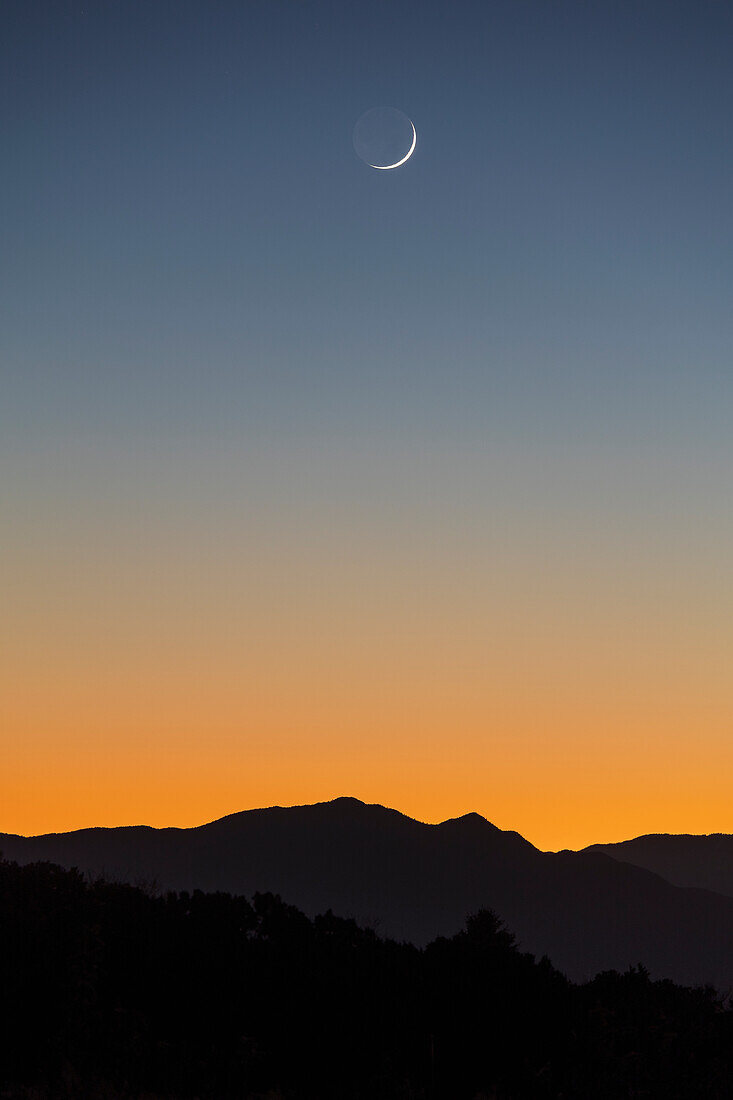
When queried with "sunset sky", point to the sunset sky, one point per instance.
{"points": [[317, 480]]}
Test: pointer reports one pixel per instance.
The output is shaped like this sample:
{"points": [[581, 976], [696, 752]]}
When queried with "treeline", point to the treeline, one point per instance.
{"points": [[109, 992]]}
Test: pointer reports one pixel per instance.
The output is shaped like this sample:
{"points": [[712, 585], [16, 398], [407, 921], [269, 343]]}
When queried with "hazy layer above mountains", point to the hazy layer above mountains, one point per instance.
{"points": [[588, 911]]}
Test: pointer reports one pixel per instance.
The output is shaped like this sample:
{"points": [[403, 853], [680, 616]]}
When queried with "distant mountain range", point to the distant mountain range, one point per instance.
{"points": [[606, 907], [686, 860]]}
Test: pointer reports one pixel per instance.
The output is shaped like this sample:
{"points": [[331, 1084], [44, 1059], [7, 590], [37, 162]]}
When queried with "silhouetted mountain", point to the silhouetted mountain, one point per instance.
{"points": [[686, 860], [585, 910]]}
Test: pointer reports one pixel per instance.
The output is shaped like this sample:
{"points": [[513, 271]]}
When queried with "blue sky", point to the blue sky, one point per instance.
{"points": [[180, 186]]}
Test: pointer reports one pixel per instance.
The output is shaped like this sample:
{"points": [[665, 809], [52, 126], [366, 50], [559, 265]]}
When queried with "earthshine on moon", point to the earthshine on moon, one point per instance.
{"points": [[408, 154], [384, 138]]}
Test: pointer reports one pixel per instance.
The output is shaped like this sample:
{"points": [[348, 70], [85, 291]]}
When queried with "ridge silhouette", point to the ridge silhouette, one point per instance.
{"points": [[685, 859], [586, 911]]}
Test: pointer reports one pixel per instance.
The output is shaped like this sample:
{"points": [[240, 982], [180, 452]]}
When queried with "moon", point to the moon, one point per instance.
{"points": [[384, 138], [408, 154]]}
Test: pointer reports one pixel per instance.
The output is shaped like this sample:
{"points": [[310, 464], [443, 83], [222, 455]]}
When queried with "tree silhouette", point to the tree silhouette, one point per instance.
{"points": [[109, 992]]}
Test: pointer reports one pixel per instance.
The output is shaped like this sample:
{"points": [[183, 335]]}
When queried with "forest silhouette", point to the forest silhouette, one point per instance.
{"points": [[115, 991]]}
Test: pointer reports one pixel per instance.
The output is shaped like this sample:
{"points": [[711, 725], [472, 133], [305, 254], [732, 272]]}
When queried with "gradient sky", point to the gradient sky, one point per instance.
{"points": [[317, 480]]}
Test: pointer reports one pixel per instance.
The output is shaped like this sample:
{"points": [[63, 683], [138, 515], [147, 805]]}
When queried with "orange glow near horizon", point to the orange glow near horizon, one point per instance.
{"points": [[544, 674], [181, 743]]}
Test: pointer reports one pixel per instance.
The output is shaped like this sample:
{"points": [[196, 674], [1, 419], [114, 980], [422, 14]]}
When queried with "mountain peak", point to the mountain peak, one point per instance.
{"points": [[473, 825], [471, 818], [470, 824]]}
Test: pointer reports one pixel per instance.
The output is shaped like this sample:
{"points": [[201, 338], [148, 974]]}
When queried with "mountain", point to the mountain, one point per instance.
{"points": [[686, 860], [586, 911]]}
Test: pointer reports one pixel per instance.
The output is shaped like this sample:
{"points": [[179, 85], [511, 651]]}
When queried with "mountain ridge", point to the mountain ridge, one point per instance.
{"points": [[701, 860], [587, 911]]}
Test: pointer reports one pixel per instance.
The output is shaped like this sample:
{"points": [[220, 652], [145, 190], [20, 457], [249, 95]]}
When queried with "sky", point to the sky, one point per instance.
{"points": [[410, 485]]}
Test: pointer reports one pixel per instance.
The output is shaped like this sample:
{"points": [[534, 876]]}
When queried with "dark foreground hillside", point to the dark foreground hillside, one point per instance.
{"points": [[110, 993]]}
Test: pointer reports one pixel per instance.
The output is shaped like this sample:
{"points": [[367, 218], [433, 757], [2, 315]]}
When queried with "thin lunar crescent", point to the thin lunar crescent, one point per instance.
{"points": [[408, 154]]}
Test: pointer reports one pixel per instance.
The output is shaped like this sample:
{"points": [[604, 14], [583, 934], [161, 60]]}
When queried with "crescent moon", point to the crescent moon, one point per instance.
{"points": [[408, 154]]}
